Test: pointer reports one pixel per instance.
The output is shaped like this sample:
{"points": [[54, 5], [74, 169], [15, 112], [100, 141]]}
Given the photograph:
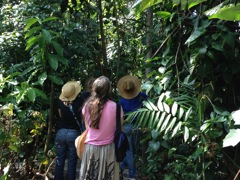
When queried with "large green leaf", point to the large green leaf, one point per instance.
{"points": [[32, 31], [31, 94], [141, 5], [55, 79], [232, 138], [230, 12], [30, 22], [32, 41], [154, 145], [40, 93], [53, 61], [187, 3], [197, 33], [47, 35], [49, 19], [58, 48]]}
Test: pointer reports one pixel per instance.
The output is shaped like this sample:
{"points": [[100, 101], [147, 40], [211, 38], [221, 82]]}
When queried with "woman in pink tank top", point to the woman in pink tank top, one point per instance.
{"points": [[99, 113]]}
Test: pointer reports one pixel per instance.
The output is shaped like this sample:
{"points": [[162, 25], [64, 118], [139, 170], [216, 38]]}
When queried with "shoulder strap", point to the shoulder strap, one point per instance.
{"points": [[118, 122], [75, 117]]}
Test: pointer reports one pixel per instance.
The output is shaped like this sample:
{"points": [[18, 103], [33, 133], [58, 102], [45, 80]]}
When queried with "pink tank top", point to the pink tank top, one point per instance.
{"points": [[107, 126]]}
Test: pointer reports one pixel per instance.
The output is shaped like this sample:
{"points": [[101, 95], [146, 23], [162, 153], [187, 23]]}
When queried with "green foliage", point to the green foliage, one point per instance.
{"points": [[192, 64], [229, 12]]}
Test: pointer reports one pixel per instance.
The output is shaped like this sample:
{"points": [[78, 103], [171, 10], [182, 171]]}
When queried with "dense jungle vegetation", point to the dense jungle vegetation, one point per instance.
{"points": [[186, 53]]}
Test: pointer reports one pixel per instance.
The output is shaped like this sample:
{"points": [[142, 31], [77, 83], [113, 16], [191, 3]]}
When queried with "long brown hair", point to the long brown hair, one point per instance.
{"points": [[100, 94]]}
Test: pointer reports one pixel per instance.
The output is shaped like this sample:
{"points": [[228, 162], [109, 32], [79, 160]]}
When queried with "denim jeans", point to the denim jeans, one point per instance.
{"points": [[129, 158], [65, 148]]}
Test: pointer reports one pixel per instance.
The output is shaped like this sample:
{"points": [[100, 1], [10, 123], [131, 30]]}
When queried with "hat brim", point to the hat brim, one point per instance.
{"points": [[126, 94], [77, 91]]}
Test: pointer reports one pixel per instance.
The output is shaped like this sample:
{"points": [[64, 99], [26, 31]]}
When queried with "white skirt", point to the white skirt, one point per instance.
{"points": [[99, 163]]}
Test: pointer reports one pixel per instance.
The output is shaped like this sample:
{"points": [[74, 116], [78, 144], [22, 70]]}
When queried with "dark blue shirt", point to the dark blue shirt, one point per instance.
{"points": [[130, 105]]}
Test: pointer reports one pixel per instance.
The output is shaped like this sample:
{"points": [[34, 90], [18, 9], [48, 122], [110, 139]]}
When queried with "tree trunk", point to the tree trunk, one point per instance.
{"points": [[103, 39], [149, 37], [118, 42], [50, 120]]}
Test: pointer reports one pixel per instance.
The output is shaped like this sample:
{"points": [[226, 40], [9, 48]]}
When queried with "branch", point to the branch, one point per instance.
{"points": [[164, 42]]}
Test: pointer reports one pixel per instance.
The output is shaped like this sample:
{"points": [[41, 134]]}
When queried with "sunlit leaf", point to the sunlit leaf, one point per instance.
{"points": [[236, 117], [146, 119], [186, 133], [141, 5], [192, 3], [140, 120], [49, 19], [30, 22], [232, 138], [42, 78], [161, 120], [150, 120], [166, 107], [32, 41], [46, 161], [156, 119], [32, 31], [188, 114], [174, 108], [165, 15], [165, 123], [177, 128], [160, 105], [14, 148], [228, 12], [148, 105], [197, 33], [170, 126]]}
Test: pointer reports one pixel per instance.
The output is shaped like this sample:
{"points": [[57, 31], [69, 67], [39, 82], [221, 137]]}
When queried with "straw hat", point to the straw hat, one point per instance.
{"points": [[129, 86], [70, 90]]}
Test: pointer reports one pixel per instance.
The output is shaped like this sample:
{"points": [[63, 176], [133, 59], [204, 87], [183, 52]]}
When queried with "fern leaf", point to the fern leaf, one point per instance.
{"points": [[176, 129], [161, 121], [165, 123], [170, 126]]}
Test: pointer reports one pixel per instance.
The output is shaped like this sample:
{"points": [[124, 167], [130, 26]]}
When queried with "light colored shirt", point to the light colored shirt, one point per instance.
{"points": [[107, 125]]}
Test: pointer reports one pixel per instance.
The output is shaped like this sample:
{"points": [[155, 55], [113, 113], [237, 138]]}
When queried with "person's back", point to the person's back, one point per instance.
{"points": [[68, 131], [99, 114], [131, 100]]}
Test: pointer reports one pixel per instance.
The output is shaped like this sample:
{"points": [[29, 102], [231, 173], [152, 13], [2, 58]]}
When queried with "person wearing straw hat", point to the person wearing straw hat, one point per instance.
{"points": [[129, 88], [68, 130]]}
